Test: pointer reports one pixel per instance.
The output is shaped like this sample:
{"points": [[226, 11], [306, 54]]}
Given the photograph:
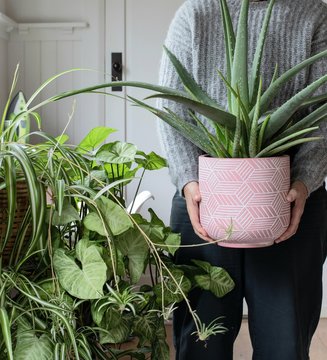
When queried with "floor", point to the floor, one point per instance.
{"points": [[243, 346]]}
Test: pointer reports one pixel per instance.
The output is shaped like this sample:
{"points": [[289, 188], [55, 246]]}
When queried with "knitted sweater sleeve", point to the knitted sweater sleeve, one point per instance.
{"points": [[181, 154], [310, 162]]}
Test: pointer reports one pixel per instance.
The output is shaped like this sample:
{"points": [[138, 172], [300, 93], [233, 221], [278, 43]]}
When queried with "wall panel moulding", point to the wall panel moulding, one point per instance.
{"points": [[6, 26], [65, 27]]}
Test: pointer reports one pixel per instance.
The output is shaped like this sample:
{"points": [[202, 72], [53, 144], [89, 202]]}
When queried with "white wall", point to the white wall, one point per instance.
{"points": [[2, 6], [3, 63], [45, 10], [44, 52]]}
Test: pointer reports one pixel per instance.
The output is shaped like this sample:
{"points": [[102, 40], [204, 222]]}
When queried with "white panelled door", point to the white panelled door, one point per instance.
{"points": [[138, 29], [52, 37]]}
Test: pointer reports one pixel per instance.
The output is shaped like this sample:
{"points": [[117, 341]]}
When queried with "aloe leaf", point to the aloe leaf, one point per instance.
{"points": [[186, 129], [220, 116], [253, 146], [239, 101], [282, 115], [315, 100], [189, 83], [283, 148], [274, 87], [280, 142], [51, 79], [311, 119], [255, 78], [215, 142], [275, 74], [94, 88], [262, 131], [190, 131], [237, 136], [229, 43], [240, 62]]}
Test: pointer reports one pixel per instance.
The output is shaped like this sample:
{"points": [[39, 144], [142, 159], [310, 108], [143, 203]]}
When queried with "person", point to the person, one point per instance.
{"points": [[282, 284]]}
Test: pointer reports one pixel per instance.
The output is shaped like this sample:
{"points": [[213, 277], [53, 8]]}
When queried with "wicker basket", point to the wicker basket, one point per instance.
{"points": [[21, 208]]}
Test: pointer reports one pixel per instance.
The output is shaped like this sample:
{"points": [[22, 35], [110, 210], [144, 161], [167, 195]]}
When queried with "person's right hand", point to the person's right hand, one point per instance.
{"points": [[193, 198]]}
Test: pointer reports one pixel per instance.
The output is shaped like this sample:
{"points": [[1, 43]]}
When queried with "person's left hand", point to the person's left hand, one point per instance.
{"points": [[297, 196]]}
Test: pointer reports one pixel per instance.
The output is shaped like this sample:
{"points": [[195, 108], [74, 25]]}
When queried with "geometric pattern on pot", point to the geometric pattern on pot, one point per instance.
{"points": [[243, 201]]}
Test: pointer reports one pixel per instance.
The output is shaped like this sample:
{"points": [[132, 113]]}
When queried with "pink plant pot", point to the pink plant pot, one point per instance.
{"points": [[243, 201]]}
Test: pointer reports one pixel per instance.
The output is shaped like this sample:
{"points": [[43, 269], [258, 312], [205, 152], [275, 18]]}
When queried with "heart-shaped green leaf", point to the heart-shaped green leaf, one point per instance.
{"points": [[85, 277]]}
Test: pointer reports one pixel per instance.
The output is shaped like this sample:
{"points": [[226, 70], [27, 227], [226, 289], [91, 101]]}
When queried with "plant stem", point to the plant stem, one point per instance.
{"points": [[137, 189]]}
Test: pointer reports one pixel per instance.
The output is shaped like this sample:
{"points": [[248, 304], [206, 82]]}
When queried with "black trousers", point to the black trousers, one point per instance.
{"points": [[282, 285]]}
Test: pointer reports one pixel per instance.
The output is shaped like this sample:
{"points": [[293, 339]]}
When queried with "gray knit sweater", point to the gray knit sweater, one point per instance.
{"points": [[298, 29]]}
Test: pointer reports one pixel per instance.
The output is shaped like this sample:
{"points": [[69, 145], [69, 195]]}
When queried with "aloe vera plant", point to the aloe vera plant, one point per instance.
{"points": [[247, 129]]}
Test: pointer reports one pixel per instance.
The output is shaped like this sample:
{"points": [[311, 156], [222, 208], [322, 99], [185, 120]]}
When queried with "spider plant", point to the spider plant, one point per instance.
{"points": [[81, 297]]}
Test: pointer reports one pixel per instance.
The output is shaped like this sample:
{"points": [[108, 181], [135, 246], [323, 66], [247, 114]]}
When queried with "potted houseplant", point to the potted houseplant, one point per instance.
{"points": [[72, 288], [245, 177], [247, 136]]}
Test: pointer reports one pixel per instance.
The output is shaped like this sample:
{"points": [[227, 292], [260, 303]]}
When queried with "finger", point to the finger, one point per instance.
{"points": [[193, 211], [292, 195], [192, 203], [296, 215]]}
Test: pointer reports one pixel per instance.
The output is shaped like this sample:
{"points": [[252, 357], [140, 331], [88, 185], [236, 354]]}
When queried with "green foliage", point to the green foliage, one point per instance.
{"points": [[248, 134], [94, 139], [87, 254], [109, 218], [249, 128], [86, 278], [135, 248], [172, 288], [31, 345], [73, 288], [216, 279]]}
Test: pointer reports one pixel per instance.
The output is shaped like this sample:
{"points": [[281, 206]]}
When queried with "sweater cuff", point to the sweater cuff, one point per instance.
{"points": [[306, 178], [185, 179]]}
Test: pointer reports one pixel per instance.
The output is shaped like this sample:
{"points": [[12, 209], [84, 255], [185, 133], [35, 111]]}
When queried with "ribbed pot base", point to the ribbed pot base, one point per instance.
{"points": [[243, 201]]}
